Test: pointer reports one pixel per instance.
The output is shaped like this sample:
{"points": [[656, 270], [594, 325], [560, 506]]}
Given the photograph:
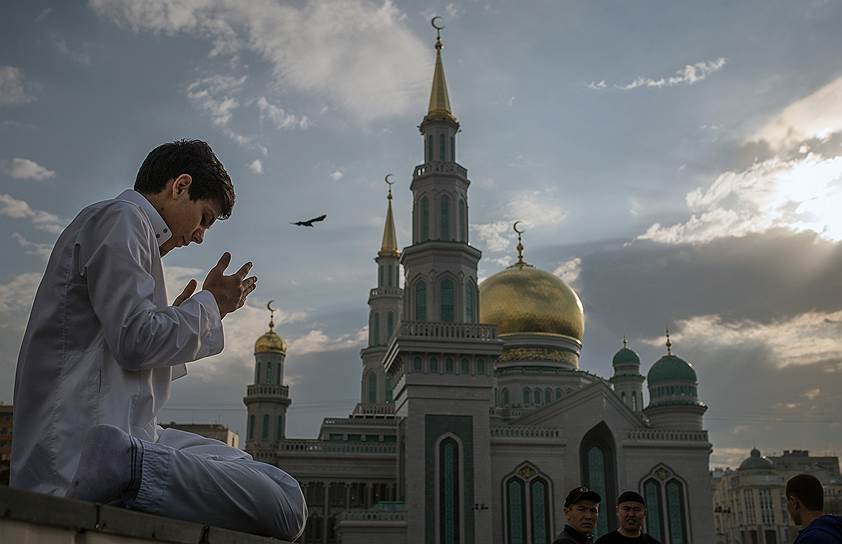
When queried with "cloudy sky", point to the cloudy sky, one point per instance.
{"points": [[680, 164]]}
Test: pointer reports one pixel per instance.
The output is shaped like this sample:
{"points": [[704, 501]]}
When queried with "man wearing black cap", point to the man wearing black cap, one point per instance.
{"points": [[581, 507], [631, 511]]}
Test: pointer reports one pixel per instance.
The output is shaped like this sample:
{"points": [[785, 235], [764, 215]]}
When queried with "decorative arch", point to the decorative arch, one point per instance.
{"points": [[419, 290], [527, 504], [444, 217], [527, 397], [449, 488], [504, 396], [447, 298], [668, 505], [371, 387], [597, 458], [425, 218], [470, 300]]}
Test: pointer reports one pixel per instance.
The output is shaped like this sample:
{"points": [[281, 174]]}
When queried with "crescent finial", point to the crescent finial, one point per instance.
{"points": [[514, 228], [433, 22], [269, 305], [386, 179], [271, 314]]}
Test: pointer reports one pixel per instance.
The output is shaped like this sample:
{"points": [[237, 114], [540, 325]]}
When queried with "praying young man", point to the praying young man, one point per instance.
{"points": [[805, 504], [631, 511], [103, 344], [581, 508]]}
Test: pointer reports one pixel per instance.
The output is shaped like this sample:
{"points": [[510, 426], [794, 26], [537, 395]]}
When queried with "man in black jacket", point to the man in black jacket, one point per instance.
{"points": [[631, 511], [581, 508]]}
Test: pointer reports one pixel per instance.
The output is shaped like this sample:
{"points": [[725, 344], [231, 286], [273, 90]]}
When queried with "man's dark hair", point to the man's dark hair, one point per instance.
{"points": [[193, 157], [807, 489]]}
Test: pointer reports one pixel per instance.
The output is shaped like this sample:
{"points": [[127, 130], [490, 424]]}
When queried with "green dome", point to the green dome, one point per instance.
{"points": [[756, 461], [626, 357], [671, 368]]}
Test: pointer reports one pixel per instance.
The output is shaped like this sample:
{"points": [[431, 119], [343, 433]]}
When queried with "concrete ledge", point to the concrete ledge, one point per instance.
{"points": [[32, 517]]}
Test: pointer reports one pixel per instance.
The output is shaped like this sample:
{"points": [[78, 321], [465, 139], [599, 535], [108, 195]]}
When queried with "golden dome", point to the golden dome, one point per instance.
{"points": [[523, 299], [270, 342]]}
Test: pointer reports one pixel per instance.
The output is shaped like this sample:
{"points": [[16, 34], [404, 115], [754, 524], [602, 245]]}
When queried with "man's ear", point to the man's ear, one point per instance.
{"points": [[180, 186]]}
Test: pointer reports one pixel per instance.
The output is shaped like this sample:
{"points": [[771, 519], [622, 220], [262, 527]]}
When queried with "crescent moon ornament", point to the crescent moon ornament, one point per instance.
{"points": [[269, 305], [433, 22], [386, 179], [514, 228]]}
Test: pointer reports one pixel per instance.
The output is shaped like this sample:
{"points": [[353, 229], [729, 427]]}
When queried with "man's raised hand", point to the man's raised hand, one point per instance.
{"points": [[231, 291], [187, 293]]}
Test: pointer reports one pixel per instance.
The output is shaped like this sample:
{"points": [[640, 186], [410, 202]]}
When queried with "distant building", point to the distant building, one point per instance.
{"points": [[749, 504], [208, 430], [6, 411]]}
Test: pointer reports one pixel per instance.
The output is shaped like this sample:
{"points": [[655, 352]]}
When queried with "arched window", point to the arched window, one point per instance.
{"points": [[596, 453], [463, 234], [516, 511], [505, 396], [448, 365], [376, 329], [444, 218], [251, 426], [447, 299], [264, 431], [441, 147], [558, 393], [449, 492], [425, 219], [268, 372], [481, 367], [634, 401], [372, 387], [537, 397], [390, 324], [429, 148], [417, 364], [278, 374], [257, 370], [548, 395], [470, 311], [466, 366], [279, 432], [380, 276], [434, 364], [420, 301], [540, 510], [676, 512], [654, 521], [527, 398], [453, 148], [388, 388]]}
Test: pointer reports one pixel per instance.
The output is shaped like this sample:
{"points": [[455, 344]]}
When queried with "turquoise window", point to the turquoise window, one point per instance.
{"points": [[420, 301], [448, 365], [558, 393], [548, 395], [268, 372], [441, 147], [652, 494], [444, 218], [537, 398], [481, 366], [449, 491], [540, 512], [390, 324], [504, 397], [434, 364], [251, 426], [466, 366], [425, 219], [447, 302], [264, 431], [527, 398], [675, 512], [372, 387], [596, 477], [469, 302], [516, 511], [279, 432], [417, 365], [376, 329]]}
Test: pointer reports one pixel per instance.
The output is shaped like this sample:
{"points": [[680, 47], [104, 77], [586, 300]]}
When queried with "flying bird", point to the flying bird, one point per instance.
{"points": [[309, 222]]}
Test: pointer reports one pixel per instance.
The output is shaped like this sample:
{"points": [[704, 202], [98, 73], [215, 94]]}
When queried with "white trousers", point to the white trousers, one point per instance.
{"points": [[199, 479]]}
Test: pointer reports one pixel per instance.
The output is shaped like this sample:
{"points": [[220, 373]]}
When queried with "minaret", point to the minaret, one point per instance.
{"points": [[384, 303], [627, 380], [441, 361], [267, 399], [440, 266], [673, 394]]}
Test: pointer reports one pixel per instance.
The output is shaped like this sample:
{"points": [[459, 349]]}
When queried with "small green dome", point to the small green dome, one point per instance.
{"points": [[626, 357], [756, 462], [671, 368]]}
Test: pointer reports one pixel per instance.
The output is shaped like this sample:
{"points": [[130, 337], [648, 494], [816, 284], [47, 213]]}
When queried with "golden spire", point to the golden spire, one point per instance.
{"points": [[520, 262], [389, 247], [669, 344], [439, 100]]}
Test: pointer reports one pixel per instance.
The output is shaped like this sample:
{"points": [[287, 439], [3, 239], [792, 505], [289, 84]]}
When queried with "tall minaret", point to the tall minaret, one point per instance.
{"points": [[384, 303], [440, 266], [267, 399], [627, 379], [441, 360]]}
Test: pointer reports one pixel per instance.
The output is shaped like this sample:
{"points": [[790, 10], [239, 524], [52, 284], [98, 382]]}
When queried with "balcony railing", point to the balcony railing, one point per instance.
{"points": [[440, 167], [665, 435], [443, 330], [371, 516], [383, 291], [523, 431], [319, 446], [267, 390], [387, 409]]}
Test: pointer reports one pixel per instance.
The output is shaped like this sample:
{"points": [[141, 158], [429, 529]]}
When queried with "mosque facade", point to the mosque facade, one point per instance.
{"points": [[475, 418]]}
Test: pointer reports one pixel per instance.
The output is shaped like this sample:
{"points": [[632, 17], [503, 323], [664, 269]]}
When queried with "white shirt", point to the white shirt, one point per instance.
{"points": [[102, 343]]}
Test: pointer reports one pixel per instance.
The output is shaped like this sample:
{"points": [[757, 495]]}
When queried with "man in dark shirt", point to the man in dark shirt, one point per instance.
{"points": [[805, 503], [631, 511], [581, 508]]}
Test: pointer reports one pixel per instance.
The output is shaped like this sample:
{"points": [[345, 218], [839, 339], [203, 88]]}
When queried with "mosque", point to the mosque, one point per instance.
{"points": [[475, 419]]}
